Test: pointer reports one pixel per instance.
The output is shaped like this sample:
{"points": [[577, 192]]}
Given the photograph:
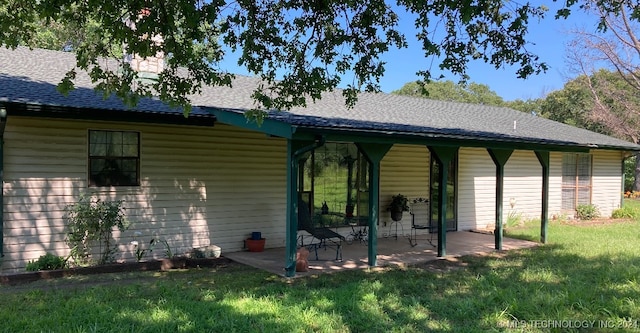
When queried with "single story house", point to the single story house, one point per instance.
{"points": [[214, 177]]}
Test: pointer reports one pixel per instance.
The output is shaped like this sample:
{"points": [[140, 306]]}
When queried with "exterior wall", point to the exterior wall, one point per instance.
{"points": [[199, 186], [555, 185], [476, 189], [216, 185], [404, 169], [522, 186], [606, 182], [522, 182]]}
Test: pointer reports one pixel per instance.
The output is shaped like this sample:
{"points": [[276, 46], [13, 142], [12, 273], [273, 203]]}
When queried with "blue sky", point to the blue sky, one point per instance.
{"points": [[548, 38]]}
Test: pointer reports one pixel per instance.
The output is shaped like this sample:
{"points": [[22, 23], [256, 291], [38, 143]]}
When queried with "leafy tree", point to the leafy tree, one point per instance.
{"points": [[471, 93], [532, 106], [449, 91], [299, 49], [571, 105], [575, 105], [614, 92]]}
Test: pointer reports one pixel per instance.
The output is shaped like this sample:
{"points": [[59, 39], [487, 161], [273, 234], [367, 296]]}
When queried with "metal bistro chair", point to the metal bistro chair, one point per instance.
{"points": [[420, 220]]}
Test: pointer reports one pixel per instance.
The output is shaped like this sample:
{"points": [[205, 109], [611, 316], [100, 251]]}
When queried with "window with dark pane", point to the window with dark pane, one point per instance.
{"points": [[114, 158], [576, 180]]}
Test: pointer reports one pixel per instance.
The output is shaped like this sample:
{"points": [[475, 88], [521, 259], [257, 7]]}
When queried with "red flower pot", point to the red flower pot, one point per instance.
{"points": [[255, 245]]}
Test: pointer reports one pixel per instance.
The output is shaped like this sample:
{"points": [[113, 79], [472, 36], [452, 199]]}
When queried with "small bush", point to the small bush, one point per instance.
{"points": [[89, 221], [47, 262], [626, 212], [514, 219], [587, 212]]}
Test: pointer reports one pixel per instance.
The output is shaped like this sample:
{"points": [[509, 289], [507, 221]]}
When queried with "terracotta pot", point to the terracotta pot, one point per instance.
{"points": [[255, 245]]}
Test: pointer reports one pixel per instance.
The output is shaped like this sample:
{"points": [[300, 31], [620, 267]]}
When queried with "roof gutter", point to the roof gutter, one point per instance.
{"points": [[442, 139]]}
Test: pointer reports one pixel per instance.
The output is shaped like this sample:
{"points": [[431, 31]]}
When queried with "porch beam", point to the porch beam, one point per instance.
{"points": [[296, 151], [543, 158], [353, 135], [268, 126], [444, 156], [374, 154], [500, 158]]}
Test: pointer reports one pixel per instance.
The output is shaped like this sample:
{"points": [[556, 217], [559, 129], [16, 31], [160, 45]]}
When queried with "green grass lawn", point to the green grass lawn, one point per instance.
{"points": [[584, 274]]}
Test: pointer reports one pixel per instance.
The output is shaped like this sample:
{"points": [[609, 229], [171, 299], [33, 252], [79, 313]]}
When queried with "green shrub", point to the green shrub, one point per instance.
{"points": [[47, 262], [587, 212], [514, 219], [626, 212], [92, 221]]}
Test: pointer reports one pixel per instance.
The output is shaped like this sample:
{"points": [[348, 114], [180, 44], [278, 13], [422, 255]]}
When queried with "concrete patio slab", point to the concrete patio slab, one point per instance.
{"points": [[391, 252]]}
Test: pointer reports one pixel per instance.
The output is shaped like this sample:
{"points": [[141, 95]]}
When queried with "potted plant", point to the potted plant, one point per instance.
{"points": [[349, 209], [399, 203], [255, 243]]}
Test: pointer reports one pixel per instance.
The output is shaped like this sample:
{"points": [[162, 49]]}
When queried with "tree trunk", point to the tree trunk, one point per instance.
{"points": [[636, 182]]}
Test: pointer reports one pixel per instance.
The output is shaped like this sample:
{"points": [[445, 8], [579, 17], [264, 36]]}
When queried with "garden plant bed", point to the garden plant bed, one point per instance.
{"points": [[155, 265]]}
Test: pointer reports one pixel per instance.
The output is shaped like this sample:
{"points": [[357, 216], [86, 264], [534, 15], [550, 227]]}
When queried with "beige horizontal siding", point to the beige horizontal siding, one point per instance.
{"points": [[405, 170], [606, 190], [476, 189], [522, 186], [522, 182], [555, 185], [199, 186]]}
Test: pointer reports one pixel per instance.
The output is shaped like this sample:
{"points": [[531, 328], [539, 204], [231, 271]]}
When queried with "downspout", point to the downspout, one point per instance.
{"points": [[292, 201], [3, 122]]}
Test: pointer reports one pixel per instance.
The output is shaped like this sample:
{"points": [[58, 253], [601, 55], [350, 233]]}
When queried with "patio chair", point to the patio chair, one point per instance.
{"points": [[420, 220], [322, 237]]}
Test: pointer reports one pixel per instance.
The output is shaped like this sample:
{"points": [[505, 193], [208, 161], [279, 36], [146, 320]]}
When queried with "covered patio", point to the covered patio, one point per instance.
{"points": [[391, 252], [327, 134], [306, 133]]}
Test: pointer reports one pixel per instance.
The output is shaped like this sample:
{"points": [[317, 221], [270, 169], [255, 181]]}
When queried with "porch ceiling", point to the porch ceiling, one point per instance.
{"points": [[391, 252]]}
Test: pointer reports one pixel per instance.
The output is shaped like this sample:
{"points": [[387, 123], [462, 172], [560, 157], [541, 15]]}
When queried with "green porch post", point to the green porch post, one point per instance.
{"points": [[292, 209], [296, 151], [3, 123], [543, 158], [500, 158], [444, 156], [374, 154]]}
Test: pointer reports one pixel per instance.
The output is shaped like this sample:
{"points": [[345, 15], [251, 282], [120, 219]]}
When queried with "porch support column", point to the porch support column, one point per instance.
{"points": [[296, 151], [543, 158], [3, 123], [500, 158], [444, 156], [374, 154]]}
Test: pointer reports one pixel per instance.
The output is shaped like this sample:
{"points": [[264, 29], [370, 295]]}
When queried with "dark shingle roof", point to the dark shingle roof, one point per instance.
{"points": [[30, 76]]}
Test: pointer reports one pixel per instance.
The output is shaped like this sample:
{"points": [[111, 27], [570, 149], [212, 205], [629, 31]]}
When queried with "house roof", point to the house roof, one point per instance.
{"points": [[30, 77]]}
